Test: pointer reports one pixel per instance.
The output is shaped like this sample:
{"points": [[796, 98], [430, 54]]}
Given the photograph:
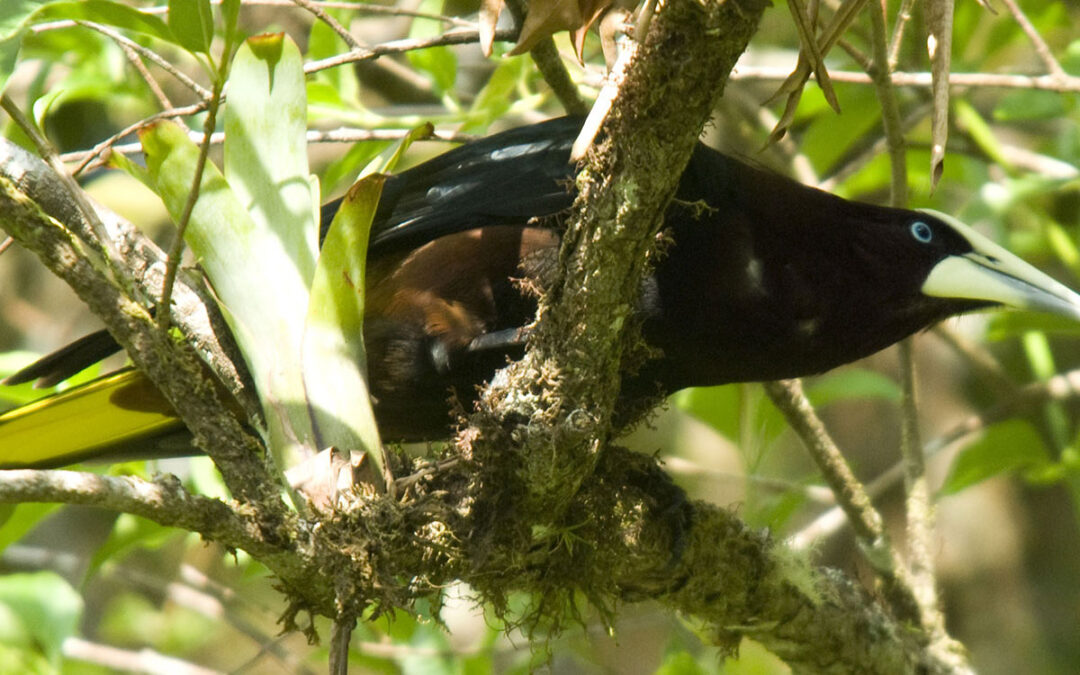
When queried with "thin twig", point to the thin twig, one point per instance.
{"points": [[801, 417], [890, 109], [321, 15], [163, 500], [1069, 83], [455, 37], [853, 164], [172, 265], [6, 244], [340, 635], [155, 88], [551, 67], [149, 54], [1041, 48], [119, 660], [852, 498], [919, 516], [1062, 387], [903, 16], [86, 157], [341, 135]]}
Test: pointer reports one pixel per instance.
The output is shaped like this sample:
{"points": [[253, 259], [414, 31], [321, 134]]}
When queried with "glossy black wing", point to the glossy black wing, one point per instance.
{"points": [[504, 179]]}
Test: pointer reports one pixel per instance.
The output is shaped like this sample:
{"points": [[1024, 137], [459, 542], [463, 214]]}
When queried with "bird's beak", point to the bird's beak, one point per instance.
{"points": [[991, 273]]}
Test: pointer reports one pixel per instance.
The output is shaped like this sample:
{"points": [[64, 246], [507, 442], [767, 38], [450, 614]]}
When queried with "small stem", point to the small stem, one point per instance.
{"points": [[1041, 48], [172, 265]]}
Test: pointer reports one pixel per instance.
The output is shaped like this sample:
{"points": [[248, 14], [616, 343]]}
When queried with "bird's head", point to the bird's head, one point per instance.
{"points": [[972, 267]]}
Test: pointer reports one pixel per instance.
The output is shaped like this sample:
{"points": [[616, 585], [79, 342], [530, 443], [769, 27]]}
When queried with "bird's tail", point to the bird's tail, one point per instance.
{"points": [[120, 416]]}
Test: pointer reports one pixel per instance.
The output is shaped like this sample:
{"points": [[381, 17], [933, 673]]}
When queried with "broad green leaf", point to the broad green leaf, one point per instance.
{"points": [[230, 12], [9, 52], [255, 234], [388, 159], [350, 164], [829, 136], [497, 95], [14, 16], [334, 361], [266, 167], [47, 605], [1007, 325], [1008, 446], [969, 120], [850, 383], [18, 519], [108, 13], [131, 532], [438, 62], [193, 23], [1029, 105], [324, 42], [737, 411], [238, 260]]}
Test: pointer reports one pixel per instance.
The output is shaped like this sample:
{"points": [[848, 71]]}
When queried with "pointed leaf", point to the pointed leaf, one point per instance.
{"points": [[193, 23], [1007, 446], [335, 365]]}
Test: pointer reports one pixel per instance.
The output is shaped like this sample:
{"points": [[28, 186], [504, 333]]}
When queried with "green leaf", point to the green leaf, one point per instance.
{"points": [[497, 95], [131, 532], [1008, 446], [9, 52], [1008, 325], [438, 62], [230, 12], [349, 165], [255, 234], [266, 167], [1029, 105], [18, 519], [47, 605], [108, 13], [335, 364], [388, 159], [851, 383], [15, 15], [193, 23]]}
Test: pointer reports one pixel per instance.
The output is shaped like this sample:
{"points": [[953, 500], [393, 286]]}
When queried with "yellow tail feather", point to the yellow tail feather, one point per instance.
{"points": [[104, 419]]}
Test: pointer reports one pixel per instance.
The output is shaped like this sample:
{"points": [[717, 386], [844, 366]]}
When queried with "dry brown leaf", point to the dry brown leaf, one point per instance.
{"points": [[489, 18], [793, 85], [545, 18], [591, 11], [814, 55]]}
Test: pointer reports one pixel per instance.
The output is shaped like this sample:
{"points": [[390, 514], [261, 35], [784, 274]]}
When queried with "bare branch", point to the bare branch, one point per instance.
{"points": [[1070, 83]]}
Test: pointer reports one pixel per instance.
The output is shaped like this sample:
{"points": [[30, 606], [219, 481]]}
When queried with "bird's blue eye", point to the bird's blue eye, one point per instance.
{"points": [[922, 232]]}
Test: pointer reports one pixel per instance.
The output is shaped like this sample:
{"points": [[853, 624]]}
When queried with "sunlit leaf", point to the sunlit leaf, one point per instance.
{"points": [[108, 13], [193, 23], [335, 364], [852, 383], [1004, 447], [46, 604]]}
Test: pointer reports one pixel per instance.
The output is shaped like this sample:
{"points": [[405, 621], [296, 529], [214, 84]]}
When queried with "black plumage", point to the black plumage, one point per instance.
{"points": [[762, 278]]}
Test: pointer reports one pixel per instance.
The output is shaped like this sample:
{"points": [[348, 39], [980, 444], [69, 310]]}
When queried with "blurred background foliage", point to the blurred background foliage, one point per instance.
{"points": [[87, 592]]}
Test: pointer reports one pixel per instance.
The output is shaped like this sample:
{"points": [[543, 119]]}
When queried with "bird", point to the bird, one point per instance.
{"points": [[760, 278]]}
